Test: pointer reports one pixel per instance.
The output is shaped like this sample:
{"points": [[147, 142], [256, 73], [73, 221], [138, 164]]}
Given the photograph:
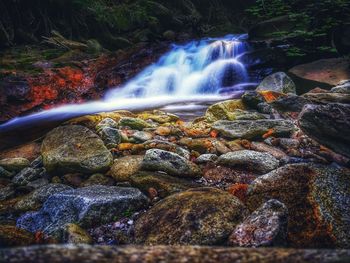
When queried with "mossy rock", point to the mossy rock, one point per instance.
{"points": [[134, 123], [224, 110], [74, 148], [158, 116], [200, 216]]}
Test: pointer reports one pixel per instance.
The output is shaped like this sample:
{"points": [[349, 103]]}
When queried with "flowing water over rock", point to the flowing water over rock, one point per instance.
{"points": [[184, 78]]}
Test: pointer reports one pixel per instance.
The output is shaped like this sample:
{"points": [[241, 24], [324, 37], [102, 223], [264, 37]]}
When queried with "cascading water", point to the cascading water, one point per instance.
{"points": [[206, 70], [206, 67]]}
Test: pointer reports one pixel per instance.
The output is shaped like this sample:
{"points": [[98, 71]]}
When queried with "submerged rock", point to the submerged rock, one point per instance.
{"points": [[249, 129], [317, 199], [267, 226], [171, 163], [200, 216], [74, 148], [278, 82], [252, 160], [88, 206], [329, 125]]}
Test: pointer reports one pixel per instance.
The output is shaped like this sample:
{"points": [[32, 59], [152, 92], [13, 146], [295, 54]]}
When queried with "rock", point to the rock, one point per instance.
{"points": [[87, 207], [329, 125], [28, 175], [107, 122], [13, 236], [342, 87], [204, 145], [256, 161], [134, 123], [98, 179], [141, 136], [125, 167], [274, 151], [5, 174], [171, 163], [74, 148], [328, 72], [316, 198], [278, 82], [167, 146], [267, 226], [218, 174], [14, 164], [321, 98], [74, 234], [252, 99], [247, 129], [164, 184], [158, 116], [110, 136], [206, 158], [200, 216], [6, 193], [169, 254], [223, 110], [290, 103], [35, 199]]}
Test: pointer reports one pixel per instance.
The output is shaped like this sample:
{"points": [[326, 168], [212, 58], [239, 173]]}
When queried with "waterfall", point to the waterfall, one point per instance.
{"points": [[209, 66], [205, 70]]}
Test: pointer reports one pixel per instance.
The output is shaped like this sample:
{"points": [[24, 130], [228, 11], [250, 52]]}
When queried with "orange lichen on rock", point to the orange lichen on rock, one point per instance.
{"points": [[269, 133], [270, 96]]}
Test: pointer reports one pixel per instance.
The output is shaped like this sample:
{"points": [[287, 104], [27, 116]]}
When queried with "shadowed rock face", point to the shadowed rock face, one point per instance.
{"points": [[195, 254], [317, 199], [329, 125]]}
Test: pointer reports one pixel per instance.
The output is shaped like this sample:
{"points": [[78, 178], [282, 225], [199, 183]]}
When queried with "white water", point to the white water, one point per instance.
{"points": [[200, 71]]}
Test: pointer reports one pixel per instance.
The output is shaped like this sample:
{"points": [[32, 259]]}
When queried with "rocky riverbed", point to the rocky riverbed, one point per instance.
{"points": [[267, 170]]}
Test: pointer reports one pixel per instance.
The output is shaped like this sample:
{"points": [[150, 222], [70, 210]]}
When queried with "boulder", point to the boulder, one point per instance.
{"points": [[74, 148], [317, 199], [164, 184], [169, 254], [331, 97], [125, 167], [87, 207], [329, 125], [14, 164], [252, 160], [200, 216], [171, 163], [267, 226], [278, 82], [249, 129]]}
